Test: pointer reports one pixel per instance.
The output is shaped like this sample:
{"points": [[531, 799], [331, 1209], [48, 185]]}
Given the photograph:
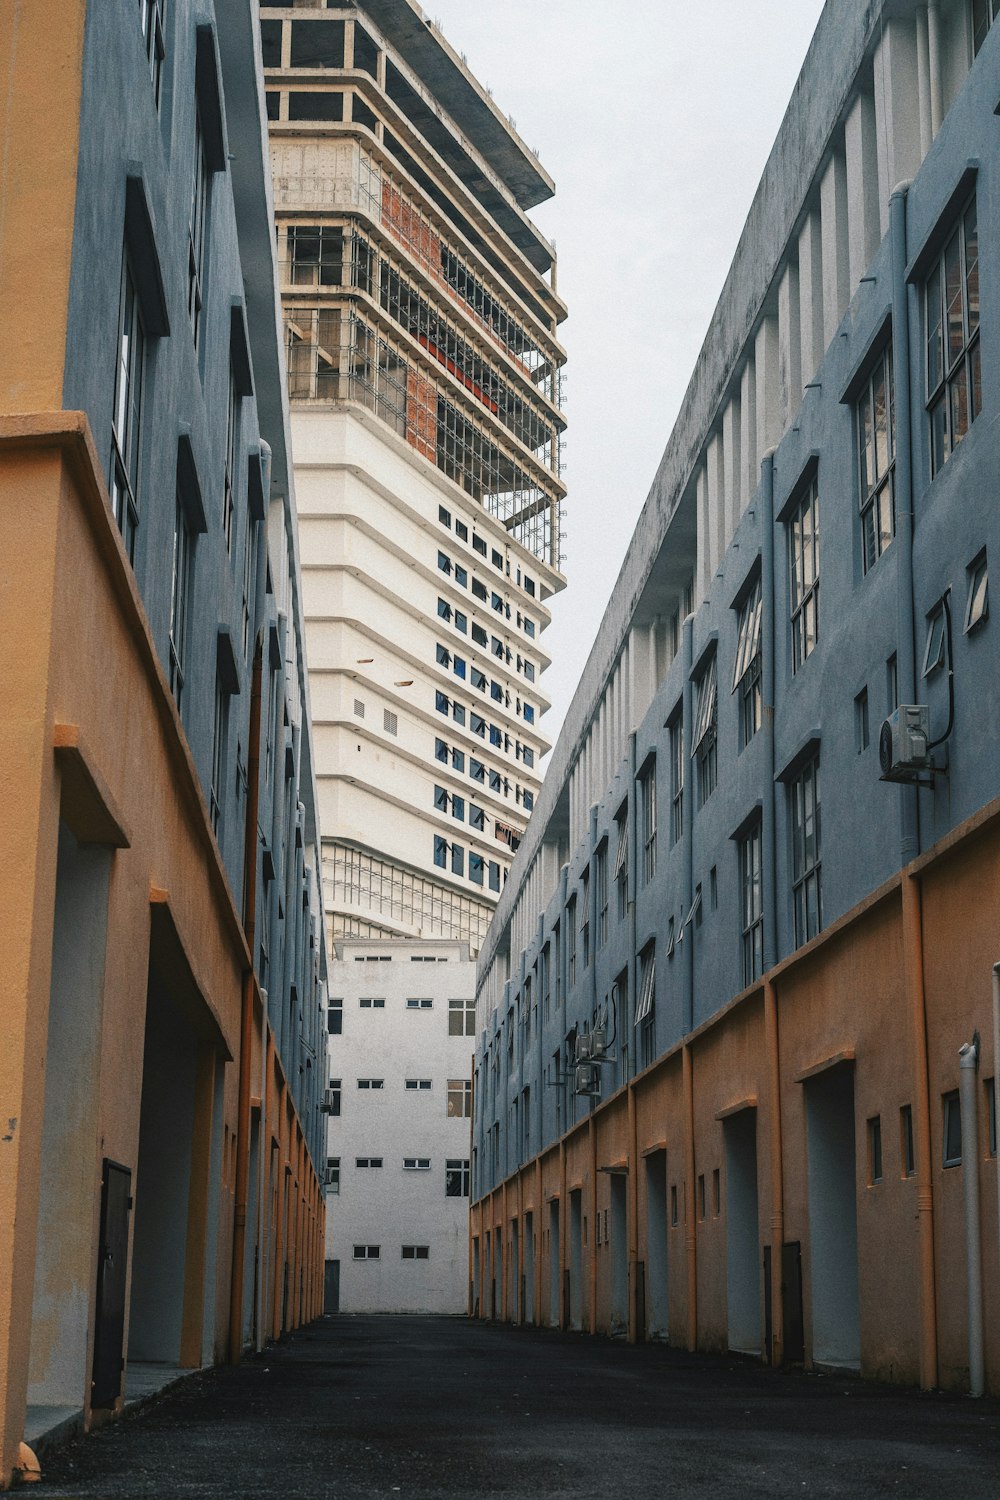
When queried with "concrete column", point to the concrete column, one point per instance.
{"points": [[811, 294], [897, 111], [835, 245], [716, 504], [748, 467], [703, 571], [768, 387], [923, 81], [732, 459], [862, 186], [934, 64], [640, 677], [789, 344]]}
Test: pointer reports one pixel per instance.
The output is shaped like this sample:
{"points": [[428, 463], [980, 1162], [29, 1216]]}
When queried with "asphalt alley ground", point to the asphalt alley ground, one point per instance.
{"points": [[357, 1407]]}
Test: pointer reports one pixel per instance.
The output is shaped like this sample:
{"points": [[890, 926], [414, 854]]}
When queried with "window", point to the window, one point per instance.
{"points": [[126, 419], [480, 590], [529, 800], [907, 1154], [183, 563], [416, 1252], [705, 750], [456, 1178], [444, 562], [371, 1083], [478, 725], [461, 531], [333, 1174], [493, 873], [440, 852], [806, 852], [585, 917], [366, 1163], [476, 769], [477, 868], [952, 1122], [442, 702], [416, 1163], [151, 20], [461, 622], [647, 818], [197, 229], [701, 1195], [461, 1017], [875, 1150], [335, 1017], [478, 544], [861, 730], [444, 610], [372, 1002], [935, 645], [442, 655], [716, 1192], [977, 604], [891, 685], [984, 13], [752, 896], [459, 1099], [674, 1220], [418, 1084], [951, 314], [676, 779], [458, 760], [621, 862], [571, 942], [389, 722], [876, 428], [219, 735], [991, 1116], [457, 859], [803, 567], [601, 891], [645, 1009], [461, 576], [367, 1252], [458, 807], [333, 1097], [422, 1002], [746, 671], [480, 637], [232, 459]]}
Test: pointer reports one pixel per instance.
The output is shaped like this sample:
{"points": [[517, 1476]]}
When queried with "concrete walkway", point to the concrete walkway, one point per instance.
{"points": [[353, 1408]]}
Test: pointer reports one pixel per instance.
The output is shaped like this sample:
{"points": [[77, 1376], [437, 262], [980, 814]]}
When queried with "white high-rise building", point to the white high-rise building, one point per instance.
{"points": [[421, 318]]}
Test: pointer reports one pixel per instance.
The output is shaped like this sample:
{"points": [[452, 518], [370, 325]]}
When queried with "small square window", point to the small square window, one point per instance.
{"points": [[977, 606]]}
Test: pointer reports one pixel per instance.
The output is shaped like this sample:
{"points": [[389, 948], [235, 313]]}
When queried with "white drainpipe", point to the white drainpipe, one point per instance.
{"points": [[968, 1065]]}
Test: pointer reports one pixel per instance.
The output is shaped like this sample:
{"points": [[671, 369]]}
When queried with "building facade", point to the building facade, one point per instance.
{"points": [[162, 1019], [421, 319], [736, 1056]]}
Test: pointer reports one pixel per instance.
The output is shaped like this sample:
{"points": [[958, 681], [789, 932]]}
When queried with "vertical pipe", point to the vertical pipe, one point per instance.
{"points": [[238, 1271], [913, 977], [688, 818], [767, 681], [968, 1067], [909, 830], [691, 1207], [632, 1225], [776, 1352]]}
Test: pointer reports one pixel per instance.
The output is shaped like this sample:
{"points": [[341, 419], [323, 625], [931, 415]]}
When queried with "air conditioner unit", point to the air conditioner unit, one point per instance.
{"points": [[598, 1042], [902, 743], [584, 1048], [330, 1176], [328, 1104], [587, 1079]]}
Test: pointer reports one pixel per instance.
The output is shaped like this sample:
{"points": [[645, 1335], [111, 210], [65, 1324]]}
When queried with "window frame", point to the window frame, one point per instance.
{"points": [[747, 666], [705, 749], [945, 371], [876, 474], [804, 809], [804, 573], [751, 870], [126, 412], [646, 786]]}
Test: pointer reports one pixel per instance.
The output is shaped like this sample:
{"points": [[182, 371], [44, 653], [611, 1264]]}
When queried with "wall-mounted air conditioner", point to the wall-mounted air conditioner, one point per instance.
{"points": [[902, 743]]}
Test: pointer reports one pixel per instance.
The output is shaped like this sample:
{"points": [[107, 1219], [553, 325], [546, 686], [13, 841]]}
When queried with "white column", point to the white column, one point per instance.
{"points": [[768, 387], [716, 504], [703, 572], [811, 294], [923, 82], [836, 240], [789, 344], [864, 233], [749, 467], [897, 112], [934, 63], [732, 446]]}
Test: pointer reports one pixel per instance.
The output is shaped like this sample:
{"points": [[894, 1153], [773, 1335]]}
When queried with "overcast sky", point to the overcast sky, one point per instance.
{"points": [[655, 117]]}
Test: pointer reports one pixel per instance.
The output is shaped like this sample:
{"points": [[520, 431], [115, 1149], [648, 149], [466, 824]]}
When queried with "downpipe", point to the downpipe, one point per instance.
{"points": [[968, 1069]]}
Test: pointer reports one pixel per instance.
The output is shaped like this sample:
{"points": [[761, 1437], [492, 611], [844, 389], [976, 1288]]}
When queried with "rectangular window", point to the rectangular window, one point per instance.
{"points": [[335, 1017], [645, 1010], [752, 891], [701, 1195], [951, 327], [804, 808], [151, 20], [458, 807], [461, 1017], [674, 1220], [977, 603], [461, 531], [875, 1150], [456, 1178], [126, 420], [333, 1097], [420, 1002], [621, 862], [585, 917], [952, 1129], [197, 231], [219, 736], [440, 852], [676, 780], [861, 728], [461, 622], [180, 595], [416, 1163], [333, 1174], [416, 1252], [477, 868], [803, 568], [876, 429], [571, 942], [647, 818], [601, 891], [418, 1084], [368, 1163], [891, 685], [371, 1083], [479, 636], [367, 1252], [457, 859], [459, 1099], [991, 1115], [705, 750], [746, 671], [936, 642], [371, 1002], [907, 1154], [493, 871]]}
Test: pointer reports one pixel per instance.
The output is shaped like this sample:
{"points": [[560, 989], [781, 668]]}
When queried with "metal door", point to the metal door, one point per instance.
{"points": [[112, 1269]]}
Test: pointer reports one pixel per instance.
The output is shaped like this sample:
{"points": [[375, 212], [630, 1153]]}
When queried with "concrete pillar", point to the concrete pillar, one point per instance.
{"points": [[732, 460], [789, 344], [835, 245], [703, 570], [768, 387], [897, 110], [923, 81], [860, 150], [749, 464], [811, 294], [640, 678], [716, 504]]}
